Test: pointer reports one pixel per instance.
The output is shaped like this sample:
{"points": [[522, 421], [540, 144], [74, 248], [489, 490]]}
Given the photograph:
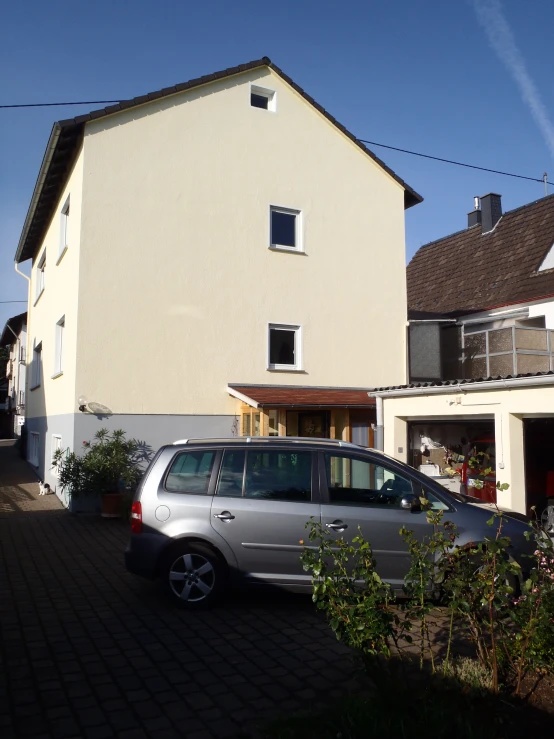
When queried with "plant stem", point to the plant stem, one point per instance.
{"points": [[450, 631]]}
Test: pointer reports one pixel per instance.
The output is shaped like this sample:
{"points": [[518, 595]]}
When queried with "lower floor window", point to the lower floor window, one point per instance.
{"points": [[285, 347], [56, 444], [34, 442]]}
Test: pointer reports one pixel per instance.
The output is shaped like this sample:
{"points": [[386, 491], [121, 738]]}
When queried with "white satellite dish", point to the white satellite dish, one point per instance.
{"points": [[98, 409]]}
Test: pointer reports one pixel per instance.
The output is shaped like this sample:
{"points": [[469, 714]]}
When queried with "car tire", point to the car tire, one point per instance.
{"points": [[193, 576]]}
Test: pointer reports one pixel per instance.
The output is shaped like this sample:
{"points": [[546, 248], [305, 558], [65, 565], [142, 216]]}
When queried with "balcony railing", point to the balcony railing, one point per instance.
{"points": [[507, 351]]}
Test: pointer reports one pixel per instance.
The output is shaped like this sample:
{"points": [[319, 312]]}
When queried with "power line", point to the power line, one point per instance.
{"points": [[459, 164], [49, 105], [364, 141], [13, 301]]}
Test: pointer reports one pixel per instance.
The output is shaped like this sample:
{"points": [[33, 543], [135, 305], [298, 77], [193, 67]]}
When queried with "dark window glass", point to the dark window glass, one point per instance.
{"points": [[232, 472], [190, 472], [283, 228], [281, 346], [358, 482], [258, 101], [274, 475]]}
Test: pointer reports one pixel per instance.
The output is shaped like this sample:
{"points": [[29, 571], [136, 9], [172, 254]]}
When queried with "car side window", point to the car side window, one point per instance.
{"points": [[359, 482], [435, 503], [279, 475], [190, 472], [232, 473]]}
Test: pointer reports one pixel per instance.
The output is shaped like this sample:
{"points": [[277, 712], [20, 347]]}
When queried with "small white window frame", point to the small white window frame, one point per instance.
{"points": [[40, 275], [36, 369], [298, 353], [64, 226], [34, 448], [55, 447], [265, 92], [59, 347], [298, 229]]}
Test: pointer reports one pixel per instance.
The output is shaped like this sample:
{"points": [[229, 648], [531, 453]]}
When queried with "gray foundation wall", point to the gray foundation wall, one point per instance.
{"points": [[153, 431]]}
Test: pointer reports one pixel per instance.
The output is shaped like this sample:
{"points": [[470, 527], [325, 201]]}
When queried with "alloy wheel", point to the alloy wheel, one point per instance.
{"points": [[192, 577]]}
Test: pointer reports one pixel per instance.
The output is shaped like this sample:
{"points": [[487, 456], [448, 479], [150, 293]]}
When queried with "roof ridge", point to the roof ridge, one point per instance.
{"points": [[71, 130]]}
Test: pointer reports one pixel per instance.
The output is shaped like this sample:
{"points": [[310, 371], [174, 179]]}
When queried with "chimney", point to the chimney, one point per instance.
{"points": [[474, 216], [491, 209]]}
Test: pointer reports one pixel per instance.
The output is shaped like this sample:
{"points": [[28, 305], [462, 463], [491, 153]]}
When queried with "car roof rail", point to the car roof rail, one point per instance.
{"points": [[270, 440]]}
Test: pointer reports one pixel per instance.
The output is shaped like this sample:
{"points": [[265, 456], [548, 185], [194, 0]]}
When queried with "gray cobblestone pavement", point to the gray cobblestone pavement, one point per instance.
{"points": [[88, 650]]}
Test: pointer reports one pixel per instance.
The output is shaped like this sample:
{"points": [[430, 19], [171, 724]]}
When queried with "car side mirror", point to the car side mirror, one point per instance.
{"points": [[410, 502]]}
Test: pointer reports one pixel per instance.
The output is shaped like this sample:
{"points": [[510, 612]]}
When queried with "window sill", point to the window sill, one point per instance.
{"points": [[38, 297], [61, 255], [287, 369], [288, 249], [35, 387], [58, 374]]}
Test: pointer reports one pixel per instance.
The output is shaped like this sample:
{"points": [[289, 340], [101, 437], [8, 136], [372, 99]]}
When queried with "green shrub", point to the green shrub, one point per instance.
{"points": [[108, 464]]}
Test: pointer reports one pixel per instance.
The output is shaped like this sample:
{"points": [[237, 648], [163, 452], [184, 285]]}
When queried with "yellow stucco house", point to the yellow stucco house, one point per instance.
{"points": [[215, 258]]}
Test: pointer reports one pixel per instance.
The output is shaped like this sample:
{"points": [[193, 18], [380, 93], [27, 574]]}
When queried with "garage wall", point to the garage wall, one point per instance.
{"points": [[507, 407]]}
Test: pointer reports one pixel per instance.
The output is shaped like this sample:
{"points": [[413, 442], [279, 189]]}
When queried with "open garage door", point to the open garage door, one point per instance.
{"points": [[438, 448]]}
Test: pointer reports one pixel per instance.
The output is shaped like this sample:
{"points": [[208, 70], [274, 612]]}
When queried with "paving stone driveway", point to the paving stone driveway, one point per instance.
{"points": [[88, 650]]}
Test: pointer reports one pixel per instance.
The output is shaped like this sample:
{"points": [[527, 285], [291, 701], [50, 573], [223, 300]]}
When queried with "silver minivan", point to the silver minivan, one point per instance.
{"points": [[216, 512]]}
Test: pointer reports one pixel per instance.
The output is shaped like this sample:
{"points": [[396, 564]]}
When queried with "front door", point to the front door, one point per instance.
{"points": [[314, 424], [357, 492], [262, 502]]}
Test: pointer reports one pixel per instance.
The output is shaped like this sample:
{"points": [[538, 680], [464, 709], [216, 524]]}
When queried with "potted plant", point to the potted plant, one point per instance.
{"points": [[107, 468]]}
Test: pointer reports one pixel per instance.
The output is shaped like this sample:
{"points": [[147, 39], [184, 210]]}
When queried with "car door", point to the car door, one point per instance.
{"points": [[359, 491], [262, 501]]}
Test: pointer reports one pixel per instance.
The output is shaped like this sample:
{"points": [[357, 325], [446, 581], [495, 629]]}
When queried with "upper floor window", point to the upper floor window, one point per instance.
{"points": [[40, 276], [64, 228], [285, 347], [285, 231], [261, 97], [36, 370], [58, 354]]}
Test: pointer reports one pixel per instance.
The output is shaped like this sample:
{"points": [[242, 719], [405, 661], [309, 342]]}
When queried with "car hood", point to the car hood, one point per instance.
{"points": [[494, 509]]}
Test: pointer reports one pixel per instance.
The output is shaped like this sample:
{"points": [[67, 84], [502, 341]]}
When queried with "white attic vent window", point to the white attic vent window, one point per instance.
{"points": [[548, 261], [261, 97]]}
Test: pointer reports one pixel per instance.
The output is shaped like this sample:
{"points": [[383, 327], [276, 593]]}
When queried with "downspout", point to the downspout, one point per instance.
{"points": [[378, 439]]}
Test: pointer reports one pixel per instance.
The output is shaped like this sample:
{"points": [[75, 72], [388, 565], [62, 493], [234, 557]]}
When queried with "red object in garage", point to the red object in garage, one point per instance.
{"points": [[484, 450]]}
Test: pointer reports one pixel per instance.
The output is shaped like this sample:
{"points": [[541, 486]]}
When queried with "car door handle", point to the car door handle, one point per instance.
{"points": [[337, 525], [224, 516]]}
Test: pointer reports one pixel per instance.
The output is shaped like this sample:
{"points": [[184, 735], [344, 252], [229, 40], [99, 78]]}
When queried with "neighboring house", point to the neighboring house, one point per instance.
{"points": [[14, 337], [481, 350], [215, 258]]}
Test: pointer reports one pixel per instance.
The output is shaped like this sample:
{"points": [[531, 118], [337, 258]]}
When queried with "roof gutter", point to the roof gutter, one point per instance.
{"points": [[37, 192], [508, 384]]}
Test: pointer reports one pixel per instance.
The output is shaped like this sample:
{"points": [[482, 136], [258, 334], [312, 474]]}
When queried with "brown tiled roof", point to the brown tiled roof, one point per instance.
{"points": [[470, 271], [65, 141], [307, 397]]}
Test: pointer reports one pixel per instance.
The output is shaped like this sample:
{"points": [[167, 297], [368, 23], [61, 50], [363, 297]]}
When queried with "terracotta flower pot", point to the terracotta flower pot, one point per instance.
{"points": [[111, 505]]}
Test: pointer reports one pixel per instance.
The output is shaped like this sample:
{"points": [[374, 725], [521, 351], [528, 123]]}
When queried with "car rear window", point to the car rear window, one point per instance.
{"points": [[190, 472]]}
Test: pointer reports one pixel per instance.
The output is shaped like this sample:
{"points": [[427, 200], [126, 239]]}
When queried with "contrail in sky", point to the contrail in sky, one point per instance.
{"points": [[491, 16]]}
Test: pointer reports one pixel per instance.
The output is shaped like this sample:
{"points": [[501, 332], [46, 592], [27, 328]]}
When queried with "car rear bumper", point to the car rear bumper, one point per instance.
{"points": [[143, 554]]}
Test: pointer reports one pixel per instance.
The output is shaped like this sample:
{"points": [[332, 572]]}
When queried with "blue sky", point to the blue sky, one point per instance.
{"points": [[424, 76]]}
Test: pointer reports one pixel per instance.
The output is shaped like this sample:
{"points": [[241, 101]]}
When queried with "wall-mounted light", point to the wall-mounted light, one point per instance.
{"points": [[82, 401]]}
